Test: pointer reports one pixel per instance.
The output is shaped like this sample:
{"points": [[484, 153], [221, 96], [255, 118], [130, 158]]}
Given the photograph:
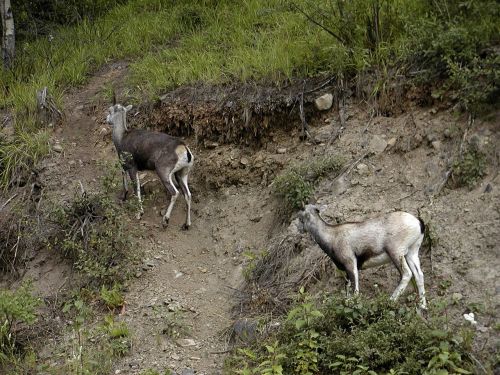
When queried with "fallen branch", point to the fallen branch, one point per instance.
{"points": [[7, 202]]}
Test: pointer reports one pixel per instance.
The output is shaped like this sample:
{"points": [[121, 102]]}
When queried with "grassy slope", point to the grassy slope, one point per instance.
{"points": [[174, 43]]}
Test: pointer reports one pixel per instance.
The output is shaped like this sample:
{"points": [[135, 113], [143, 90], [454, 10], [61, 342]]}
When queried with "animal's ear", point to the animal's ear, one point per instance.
{"points": [[111, 109], [128, 108]]}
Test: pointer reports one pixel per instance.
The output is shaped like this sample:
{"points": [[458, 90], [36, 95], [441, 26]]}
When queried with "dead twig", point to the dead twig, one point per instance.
{"points": [[7, 202], [336, 36], [305, 127]]}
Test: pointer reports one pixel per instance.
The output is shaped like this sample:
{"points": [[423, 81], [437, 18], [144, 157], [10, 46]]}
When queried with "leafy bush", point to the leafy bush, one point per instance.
{"points": [[16, 308], [357, 336], [91, 232], [295, 185], [469, 169]]}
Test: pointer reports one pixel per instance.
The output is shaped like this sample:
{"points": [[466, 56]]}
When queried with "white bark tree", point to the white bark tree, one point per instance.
{"points": [[8, 34]]}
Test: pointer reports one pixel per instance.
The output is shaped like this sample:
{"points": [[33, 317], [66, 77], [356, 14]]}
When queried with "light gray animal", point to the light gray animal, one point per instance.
{"points": [[395, 237], [140, 149]]}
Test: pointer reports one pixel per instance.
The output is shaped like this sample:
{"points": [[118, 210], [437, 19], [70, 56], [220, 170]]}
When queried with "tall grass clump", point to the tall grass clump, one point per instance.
{"points": [[357, 336]]}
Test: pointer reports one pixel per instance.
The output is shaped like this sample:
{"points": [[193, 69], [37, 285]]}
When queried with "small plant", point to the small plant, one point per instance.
{"points": [[469, 169], [296, 184], [118, 336], [252, 260], [113, 297], [174, 325]]}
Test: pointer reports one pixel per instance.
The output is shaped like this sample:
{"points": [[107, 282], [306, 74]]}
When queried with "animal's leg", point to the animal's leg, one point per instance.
{"points": [[166, 177], [182, 179], [134, 177], [138, 187], [414, 264], [352, 275], [125, 186], [405, 273]]}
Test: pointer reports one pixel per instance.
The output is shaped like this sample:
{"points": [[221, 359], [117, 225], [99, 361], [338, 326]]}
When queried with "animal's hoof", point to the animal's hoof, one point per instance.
{"points": [[138, 215], [164, 223], [185, 227]]}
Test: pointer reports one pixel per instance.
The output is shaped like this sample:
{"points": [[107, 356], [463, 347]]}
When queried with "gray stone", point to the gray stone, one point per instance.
{"points": [[339, 186], [362, 169], [377, 144], [436, 145], [391, 142], [281, 150], [324, 102], [57, 148], [186, 342], [187, 371], [244, 161]]}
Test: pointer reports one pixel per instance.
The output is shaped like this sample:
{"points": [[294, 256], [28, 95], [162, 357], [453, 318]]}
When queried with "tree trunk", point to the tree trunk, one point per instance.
{"points": [[8, 34]]}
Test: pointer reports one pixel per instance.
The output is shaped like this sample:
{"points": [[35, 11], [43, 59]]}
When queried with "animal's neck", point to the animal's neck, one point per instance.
{"points": [[118, 131], [318, 232]]}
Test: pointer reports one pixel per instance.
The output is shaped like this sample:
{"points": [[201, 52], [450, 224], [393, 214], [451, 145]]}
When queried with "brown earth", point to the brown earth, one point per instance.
{"points": [[192, 276]]}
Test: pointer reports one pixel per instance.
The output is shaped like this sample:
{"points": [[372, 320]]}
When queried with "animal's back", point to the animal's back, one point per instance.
{"points": [[140, 142]]}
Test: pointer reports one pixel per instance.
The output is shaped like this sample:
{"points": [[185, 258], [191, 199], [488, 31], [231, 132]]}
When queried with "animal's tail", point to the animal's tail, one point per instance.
{"points": [[422, 225], [189, 155]]}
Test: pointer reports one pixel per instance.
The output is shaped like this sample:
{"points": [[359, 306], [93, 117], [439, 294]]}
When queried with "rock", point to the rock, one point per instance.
{"points": [[57, 148], [431, 137], [362, 169], [244, 161], [447, 133], [256, 218], [281, 150], [377, 144], [391, 142], [138, 274], [187, 371], [436, 145], [211, 145], [185, 342], [324, 102], [488, 188], [339, 186]]}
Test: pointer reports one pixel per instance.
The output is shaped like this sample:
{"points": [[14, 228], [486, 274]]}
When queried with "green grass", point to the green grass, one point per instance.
{"points": [[171, 43]]}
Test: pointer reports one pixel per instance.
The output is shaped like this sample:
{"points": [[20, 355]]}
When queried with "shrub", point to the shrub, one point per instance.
{"points": [[469, 169], [295, 185], [91, 232], [358, 336]]}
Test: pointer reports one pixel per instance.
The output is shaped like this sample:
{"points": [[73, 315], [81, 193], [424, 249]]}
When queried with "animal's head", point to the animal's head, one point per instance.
{"points": [[308, 216], [117, 115]]}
